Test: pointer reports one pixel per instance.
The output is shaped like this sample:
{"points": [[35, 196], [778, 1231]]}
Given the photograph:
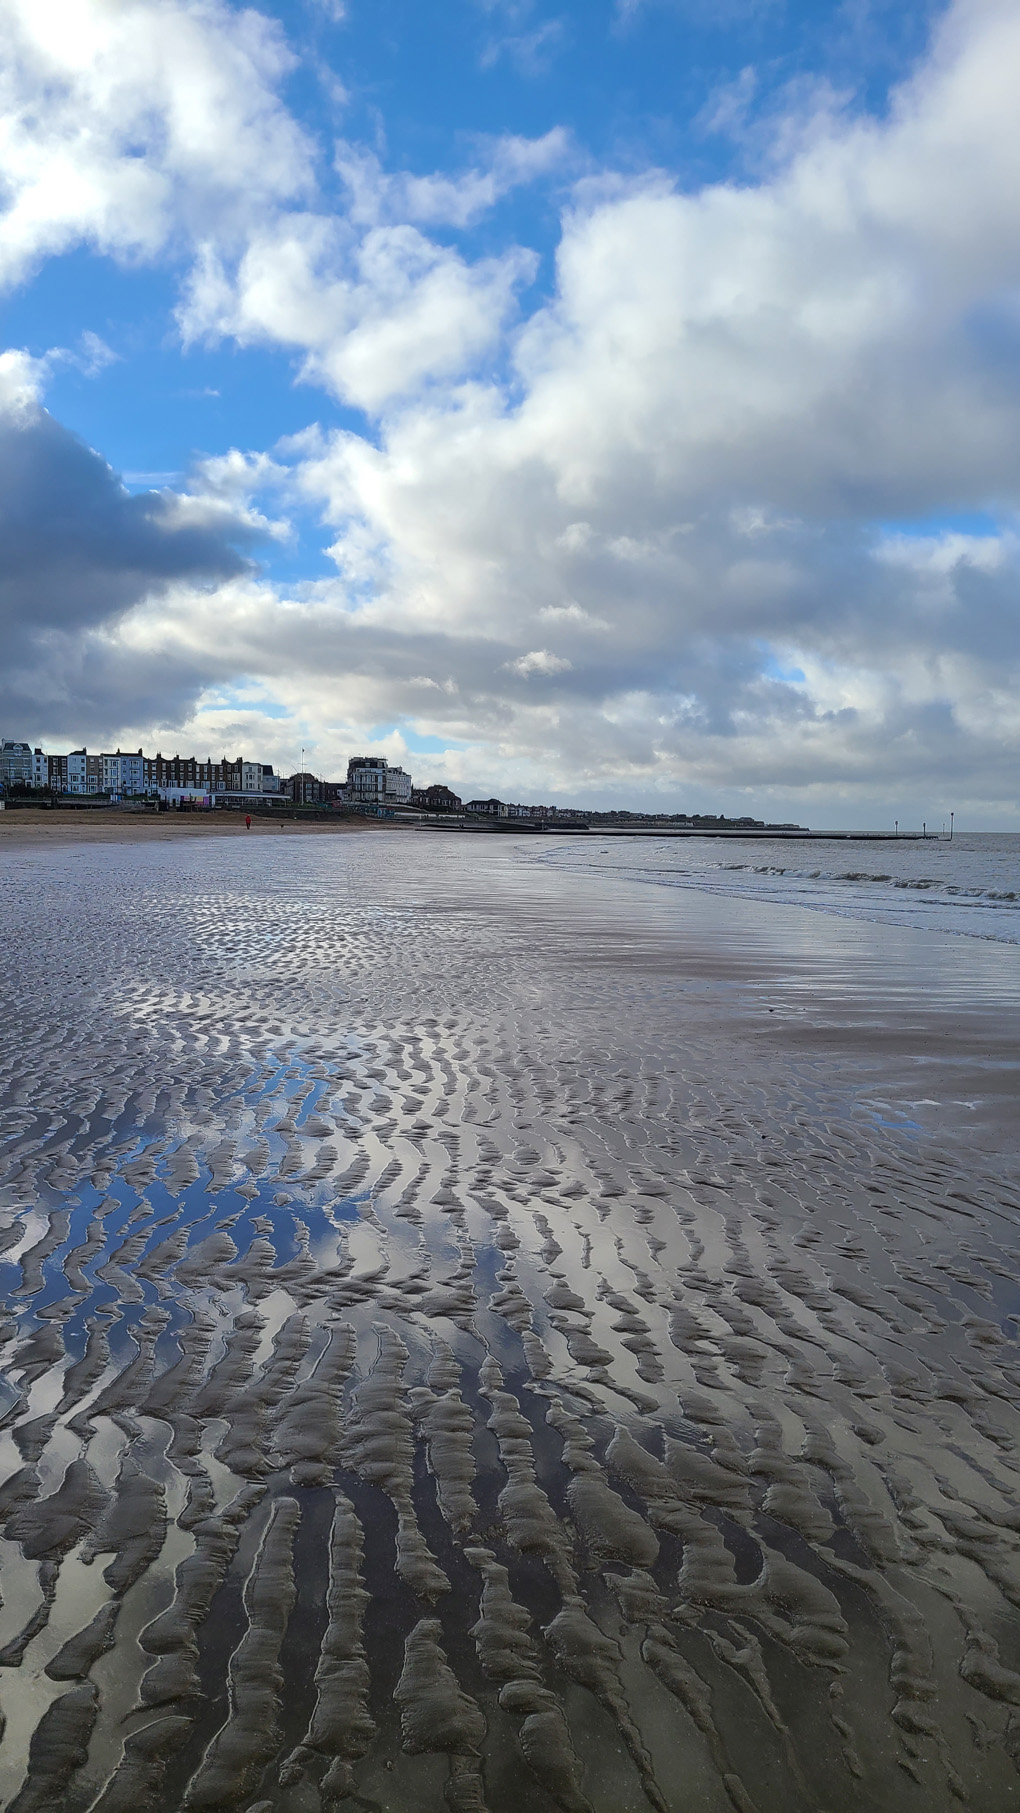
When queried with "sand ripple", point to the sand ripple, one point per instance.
{"points": [[460, 1390]]}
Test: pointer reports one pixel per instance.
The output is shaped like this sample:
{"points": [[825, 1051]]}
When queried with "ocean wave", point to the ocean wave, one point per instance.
{"points": [[924, 884]]}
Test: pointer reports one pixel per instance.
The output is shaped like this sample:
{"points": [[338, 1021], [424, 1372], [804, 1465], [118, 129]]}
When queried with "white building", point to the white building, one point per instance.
{"points": [[372, 782], [398, 787], [122, 776], [84, 772], [366, 780], [189, 796]]}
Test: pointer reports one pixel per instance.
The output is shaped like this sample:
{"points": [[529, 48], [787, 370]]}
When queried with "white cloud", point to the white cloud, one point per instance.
{"points": [[538, 661], [95, 355], [940, 555], [21, 382], [532, 51], [375, 315], [121, 124], [726, 388], [502, 164], [684, 449], [727, 107], [572, 616]]}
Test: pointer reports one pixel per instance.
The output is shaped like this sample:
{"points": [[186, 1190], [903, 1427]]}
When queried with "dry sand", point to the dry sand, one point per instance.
{"points": [[453, 1360], [26, 827]]}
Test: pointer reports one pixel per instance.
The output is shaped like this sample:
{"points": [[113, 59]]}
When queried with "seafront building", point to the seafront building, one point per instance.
{"points": [[371, 781], [16, 767], [435, 799], [373, 785], [123, 774], [84, 772], [184, 775], [130, 774], [501, 809]]}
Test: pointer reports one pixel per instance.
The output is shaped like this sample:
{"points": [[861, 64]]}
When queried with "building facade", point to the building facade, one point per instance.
{"points": [[435, 799], [16, 767], [372, 782], [225, 776], [84, 772], [366, 780], [123, 776], [305, 790]]}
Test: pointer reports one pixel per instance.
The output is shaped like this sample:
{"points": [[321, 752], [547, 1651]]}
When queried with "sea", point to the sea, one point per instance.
{"points": [[968, 885]]}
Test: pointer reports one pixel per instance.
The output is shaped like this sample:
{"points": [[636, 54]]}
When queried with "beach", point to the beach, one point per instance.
{"points": [[497, 1327], [31, 827]]}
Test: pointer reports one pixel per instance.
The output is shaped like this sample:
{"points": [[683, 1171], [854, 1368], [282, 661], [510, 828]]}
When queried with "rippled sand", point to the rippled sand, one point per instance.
{"points": [[465, 1349]]}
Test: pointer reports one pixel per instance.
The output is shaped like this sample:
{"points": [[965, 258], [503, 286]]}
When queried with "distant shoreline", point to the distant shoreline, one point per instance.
{"points": [[28, 827]]}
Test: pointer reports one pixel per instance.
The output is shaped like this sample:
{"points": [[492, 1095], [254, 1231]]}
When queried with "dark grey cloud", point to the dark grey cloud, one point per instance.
{"points": [[76, 548], [78, 551]]}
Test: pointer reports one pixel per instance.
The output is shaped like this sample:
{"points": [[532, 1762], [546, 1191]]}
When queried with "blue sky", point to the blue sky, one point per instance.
{"points": [[604, 403], [635, 87]]}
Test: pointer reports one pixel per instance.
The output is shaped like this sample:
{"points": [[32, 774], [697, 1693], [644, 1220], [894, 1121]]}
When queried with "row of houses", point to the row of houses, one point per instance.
{"points": [[497, 808], [131, 774], [128, 774], [372, 783]]}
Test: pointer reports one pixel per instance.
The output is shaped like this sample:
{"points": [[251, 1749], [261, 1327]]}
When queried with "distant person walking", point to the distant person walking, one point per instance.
{"points": [[247, 821]]}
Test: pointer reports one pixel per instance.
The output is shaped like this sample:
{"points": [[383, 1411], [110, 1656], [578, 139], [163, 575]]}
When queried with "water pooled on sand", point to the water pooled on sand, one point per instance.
{"points": [[469, 1345]]}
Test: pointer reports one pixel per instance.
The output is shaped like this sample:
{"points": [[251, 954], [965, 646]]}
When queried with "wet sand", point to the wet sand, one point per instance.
{"points": [[472, 1342]]}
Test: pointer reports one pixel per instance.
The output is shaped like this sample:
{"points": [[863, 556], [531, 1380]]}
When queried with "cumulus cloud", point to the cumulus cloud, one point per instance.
{"points": [[643, 538], [726, 391], [125, 124], [376, 315]]}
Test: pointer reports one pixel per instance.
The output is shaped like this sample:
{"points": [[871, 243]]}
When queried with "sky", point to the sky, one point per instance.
{"points": [[604, 402]]}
